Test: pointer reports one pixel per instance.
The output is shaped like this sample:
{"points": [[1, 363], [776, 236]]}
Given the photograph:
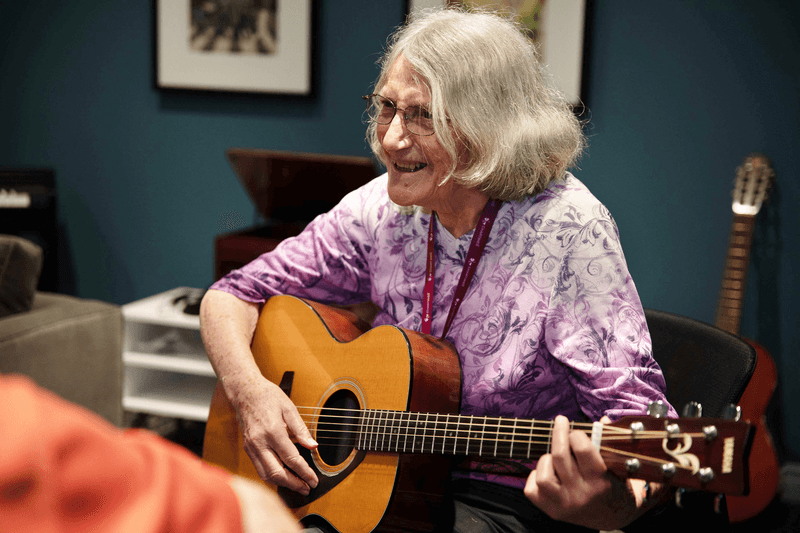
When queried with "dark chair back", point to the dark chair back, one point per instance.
{"points": [[704, 364], [701, 363]]}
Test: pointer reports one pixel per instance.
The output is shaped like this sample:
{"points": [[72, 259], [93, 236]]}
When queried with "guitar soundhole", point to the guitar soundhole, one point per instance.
{"points": [[338, 427]]}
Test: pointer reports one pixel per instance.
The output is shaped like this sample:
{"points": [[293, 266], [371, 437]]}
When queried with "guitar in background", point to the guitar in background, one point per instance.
{"points": [[753, 181]]}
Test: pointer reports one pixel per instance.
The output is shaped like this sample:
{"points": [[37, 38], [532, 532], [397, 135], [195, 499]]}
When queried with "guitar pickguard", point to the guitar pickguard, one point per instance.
{"points": [[327, 483]]}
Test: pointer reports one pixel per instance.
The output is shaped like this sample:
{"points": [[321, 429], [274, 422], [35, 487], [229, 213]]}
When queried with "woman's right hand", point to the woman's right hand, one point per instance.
{"points": [[267, 417], [268, 420]]}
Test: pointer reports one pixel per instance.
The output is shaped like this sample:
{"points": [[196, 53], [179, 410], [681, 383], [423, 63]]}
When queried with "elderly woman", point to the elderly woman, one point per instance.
{"points": [[476, 145]]}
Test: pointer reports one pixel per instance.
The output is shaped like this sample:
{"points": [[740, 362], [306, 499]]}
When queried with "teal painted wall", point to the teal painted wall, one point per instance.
{"points": [[679, 92]]}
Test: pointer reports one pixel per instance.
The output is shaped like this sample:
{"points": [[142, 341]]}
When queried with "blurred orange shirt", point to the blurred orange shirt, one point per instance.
{"points": [[65, 469]]}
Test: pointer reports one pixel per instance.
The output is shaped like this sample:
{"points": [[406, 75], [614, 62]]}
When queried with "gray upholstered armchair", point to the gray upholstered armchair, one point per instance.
{"points": [[71, 346]]}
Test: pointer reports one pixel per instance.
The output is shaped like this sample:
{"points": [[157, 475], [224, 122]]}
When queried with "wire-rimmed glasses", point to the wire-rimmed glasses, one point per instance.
{"points": [[382, 110]]}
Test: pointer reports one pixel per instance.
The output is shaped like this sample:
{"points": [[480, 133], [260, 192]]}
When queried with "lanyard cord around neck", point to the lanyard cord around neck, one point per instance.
{"points": [[476, 247]]}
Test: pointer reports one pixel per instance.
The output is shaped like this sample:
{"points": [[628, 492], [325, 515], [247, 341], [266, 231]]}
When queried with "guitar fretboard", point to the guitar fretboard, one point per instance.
{"points": [[408, 432], [734, 277]]}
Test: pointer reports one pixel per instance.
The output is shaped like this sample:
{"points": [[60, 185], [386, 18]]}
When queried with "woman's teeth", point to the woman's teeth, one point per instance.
{"points": [[410, 168]]}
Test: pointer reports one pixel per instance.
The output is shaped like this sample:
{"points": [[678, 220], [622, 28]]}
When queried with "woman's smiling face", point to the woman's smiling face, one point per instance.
{"points": [[416, 164]]}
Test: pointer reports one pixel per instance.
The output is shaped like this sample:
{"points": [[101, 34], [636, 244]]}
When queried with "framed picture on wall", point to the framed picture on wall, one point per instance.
{"points": [[254, 46], [557, 26]]}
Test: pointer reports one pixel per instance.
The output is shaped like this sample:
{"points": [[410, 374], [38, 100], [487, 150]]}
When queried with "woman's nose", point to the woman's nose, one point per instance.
{"points": [[396, 136]]}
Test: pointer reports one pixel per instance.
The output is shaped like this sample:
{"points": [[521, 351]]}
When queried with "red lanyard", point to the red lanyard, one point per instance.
{"points": [[476, 247]]}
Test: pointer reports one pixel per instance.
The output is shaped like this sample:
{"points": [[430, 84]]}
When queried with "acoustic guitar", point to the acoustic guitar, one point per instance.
{"points": [[383, 406], [754, 179]]}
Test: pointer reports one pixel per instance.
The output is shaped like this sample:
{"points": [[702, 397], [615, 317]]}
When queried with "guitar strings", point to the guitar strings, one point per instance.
{"points": [[372, 430], [443, 421]]}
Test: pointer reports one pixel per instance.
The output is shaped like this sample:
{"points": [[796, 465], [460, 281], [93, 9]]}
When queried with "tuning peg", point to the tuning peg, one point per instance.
{"points": [[692, 410], [732, 412], [657, 409]]}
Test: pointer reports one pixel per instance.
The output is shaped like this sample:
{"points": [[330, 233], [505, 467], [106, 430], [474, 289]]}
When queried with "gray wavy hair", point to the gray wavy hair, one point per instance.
{"points": [[490, 95]]}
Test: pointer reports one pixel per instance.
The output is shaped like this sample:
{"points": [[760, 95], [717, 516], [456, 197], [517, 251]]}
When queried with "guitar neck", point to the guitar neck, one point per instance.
{"points": [[449, 434], [700, 453], [734, 277]]}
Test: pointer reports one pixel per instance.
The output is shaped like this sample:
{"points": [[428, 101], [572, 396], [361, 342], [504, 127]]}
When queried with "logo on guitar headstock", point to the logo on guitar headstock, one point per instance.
{"points": [[727, 455], [686, 460]]}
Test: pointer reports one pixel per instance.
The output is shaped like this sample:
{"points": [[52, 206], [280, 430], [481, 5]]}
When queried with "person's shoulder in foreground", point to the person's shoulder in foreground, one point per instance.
{"points": [[63, 468]]}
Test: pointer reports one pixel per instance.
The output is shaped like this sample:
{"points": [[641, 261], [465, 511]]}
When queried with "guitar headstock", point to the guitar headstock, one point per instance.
{"points": [[753, 181], [695, 453]]}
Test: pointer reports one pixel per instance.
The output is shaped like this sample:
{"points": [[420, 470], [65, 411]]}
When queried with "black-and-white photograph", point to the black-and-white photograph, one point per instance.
{"points": [[234, 26], [255, 46]]}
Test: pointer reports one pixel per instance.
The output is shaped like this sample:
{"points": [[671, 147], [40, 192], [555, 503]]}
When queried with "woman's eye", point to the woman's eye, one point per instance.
{"points": [[419, 113]]}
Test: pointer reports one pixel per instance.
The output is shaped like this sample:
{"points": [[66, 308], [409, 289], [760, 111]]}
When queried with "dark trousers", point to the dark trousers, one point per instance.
{"points": [[481, 507]]}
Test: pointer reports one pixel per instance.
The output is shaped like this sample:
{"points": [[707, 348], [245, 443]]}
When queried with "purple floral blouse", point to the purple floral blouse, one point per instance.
{"points": [[551, 324]]}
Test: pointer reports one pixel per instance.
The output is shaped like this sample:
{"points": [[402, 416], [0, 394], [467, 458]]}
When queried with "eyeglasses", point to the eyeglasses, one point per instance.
{"points": [[382, 110]]}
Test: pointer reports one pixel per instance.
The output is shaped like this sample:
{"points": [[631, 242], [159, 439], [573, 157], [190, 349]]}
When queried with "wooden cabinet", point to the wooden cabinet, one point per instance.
{"points": [[288, 189]]}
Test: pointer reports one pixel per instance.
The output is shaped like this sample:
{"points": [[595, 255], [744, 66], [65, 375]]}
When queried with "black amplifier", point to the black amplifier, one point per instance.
{"points": [[28, 209]]}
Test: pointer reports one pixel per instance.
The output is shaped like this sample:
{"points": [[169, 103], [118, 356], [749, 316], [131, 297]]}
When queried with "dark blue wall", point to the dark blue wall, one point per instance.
{"points": [[680, 92]]}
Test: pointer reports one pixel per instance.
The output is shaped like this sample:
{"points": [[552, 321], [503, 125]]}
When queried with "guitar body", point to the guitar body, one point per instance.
{"points": [[322, 355], [383, 406], [764, 475]]}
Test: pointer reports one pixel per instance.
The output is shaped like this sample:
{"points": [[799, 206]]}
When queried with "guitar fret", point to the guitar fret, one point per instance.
{"points": [[733, 306], [364, 429], [392, 431], [483, 434], [461, 443], [496, 438], [433, 432], [433, 429], [373, 431], [513, 437], [388, 432], [407, 426], [360, 438], [379, 430], [732, 294], [530, 438], [424, 433], [385, 429], [362, 442], [399, 430], [397, 425], [469, 433], [457, 436], [414, 439], [504, 438], [734, 284], [427, 430], [445, 433], [368, 436], [737, 252]]}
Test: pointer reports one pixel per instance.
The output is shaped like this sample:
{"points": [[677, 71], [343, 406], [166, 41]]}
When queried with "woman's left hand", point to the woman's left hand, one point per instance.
{"points": [[572, 483]]}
